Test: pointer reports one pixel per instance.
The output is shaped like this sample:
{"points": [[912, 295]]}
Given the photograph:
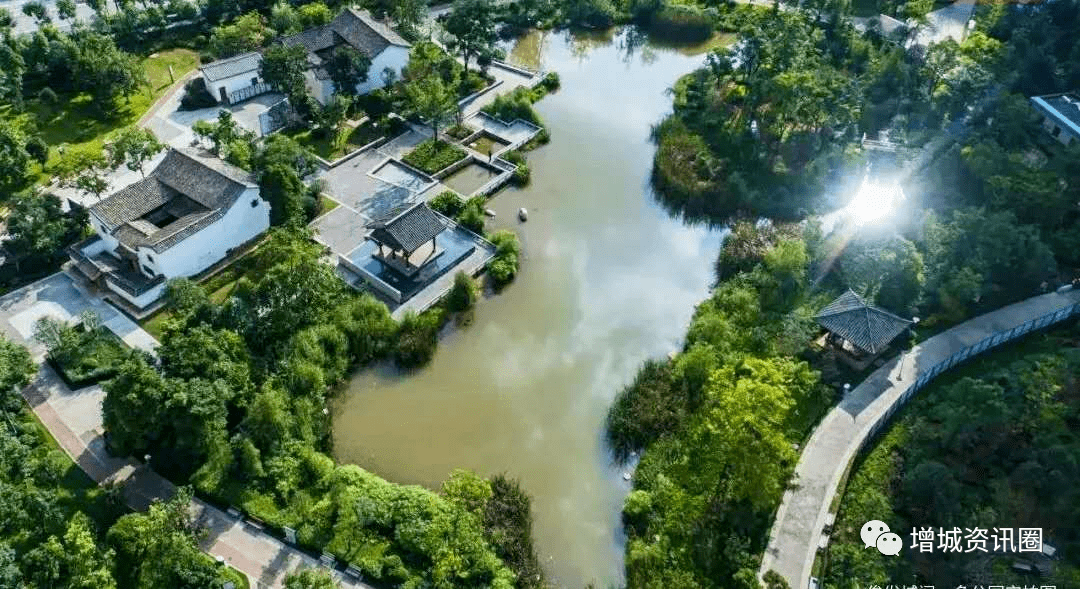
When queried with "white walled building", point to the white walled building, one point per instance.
{"points": [[185, 216], [235, 78], [357, 29]]}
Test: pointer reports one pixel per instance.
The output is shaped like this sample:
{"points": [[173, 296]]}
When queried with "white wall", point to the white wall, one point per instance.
{"points": [[198, 252], [393, 57], [99, 228], [142, 300], [230, 84]]}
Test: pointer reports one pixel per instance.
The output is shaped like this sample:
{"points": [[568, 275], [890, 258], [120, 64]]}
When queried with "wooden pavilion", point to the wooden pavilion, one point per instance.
{"points": [[858, 329], [407, 241]]}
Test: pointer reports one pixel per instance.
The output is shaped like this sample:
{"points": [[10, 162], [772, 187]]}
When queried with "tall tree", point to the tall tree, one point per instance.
{"points": [[107, 72], [432, 101], [14, 159], [38, 228], [348, 68], [283, 67], [472, 24], [246, 33], [133, 147], [37, 11]]}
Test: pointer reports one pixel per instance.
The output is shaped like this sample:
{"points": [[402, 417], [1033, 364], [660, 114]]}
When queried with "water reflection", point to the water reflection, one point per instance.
{"points": [[608, 279]]}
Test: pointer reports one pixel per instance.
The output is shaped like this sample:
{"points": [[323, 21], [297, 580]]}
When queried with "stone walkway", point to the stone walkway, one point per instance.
{"points": [[797, 530], [74, 420], [60, 297]]}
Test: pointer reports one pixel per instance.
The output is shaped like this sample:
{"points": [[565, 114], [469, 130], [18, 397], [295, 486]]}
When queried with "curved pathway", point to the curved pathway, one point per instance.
{"points": [[797, 530]]}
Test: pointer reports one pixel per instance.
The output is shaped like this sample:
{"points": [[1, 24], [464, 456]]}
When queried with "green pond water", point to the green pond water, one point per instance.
{"points": [[608, 279], [469, 179]]}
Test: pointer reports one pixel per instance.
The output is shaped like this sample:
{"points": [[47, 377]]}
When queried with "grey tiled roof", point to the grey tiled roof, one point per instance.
{"points": [[194, 189], [867, 327], [232, 66], [1066, 105], [409, 230], [356, 28]]}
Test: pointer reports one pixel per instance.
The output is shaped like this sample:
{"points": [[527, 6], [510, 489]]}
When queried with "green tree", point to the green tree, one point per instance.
{"points": [[286, 193], [37, 11], [314, 14], [159, 548], [283, 18], [246, 33], [83, 169], [14, 159], [472, 25], [106, 71], [65, 9], [433, 101], [133, 147], [16, 370], [348, 68], [283, 67], [133, 409], [463, 293], [37, 227]]}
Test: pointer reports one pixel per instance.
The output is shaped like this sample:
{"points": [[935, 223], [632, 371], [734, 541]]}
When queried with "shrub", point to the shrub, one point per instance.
{"points": [[472, 217], [82, 355], [551, 82], [504, 265], [38, 149], [514, 157], [645, 410], [522, 174], [515, 105], [417, 337], [448, 203], [196, 95], [463, 294], [459, 131], [681, 23], [432, 156]]}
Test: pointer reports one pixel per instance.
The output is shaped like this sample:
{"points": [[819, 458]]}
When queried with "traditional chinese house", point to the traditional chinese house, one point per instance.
{"points": [[858, 329], [407, 242]]}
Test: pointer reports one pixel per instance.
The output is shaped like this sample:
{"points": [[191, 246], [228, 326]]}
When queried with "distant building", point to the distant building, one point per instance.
{"points": [[184, 217], [1060, 115], [234, 79], [357, 29]]}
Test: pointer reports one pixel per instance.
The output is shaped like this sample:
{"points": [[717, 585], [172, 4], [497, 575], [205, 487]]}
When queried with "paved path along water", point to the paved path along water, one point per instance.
{"points": [[797, 531]]}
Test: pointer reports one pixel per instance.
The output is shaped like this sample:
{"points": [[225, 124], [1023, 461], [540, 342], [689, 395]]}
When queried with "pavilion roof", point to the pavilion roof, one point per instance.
{"points": [[409, 230], [867, 327]]}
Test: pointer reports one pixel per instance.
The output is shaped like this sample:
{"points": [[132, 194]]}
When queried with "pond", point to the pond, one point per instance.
{"points": [[471, 178], [607, 280], [487, 144]]}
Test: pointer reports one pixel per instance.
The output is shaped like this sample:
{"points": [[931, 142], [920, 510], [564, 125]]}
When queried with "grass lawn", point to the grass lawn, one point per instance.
{"points": [[331, 149], [432, 156], [326, 204], [71, 119]]}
